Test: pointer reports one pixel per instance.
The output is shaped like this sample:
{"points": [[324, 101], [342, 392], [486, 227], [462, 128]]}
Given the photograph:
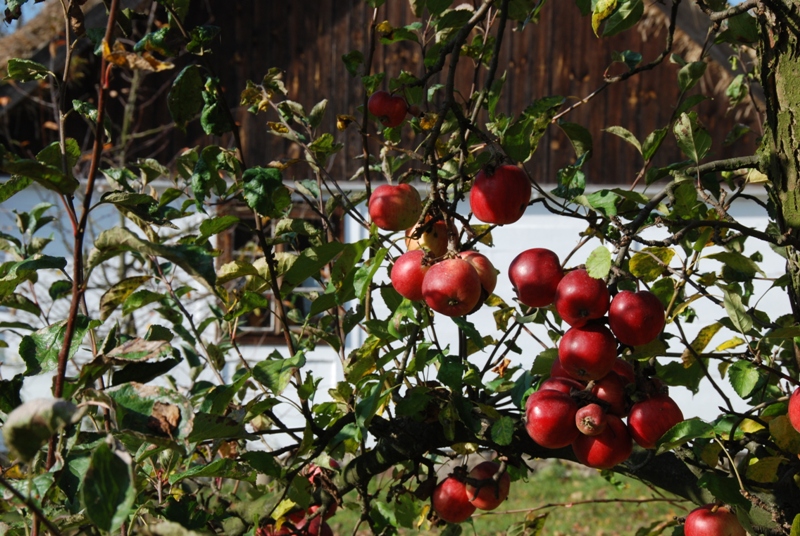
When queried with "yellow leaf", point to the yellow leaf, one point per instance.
{"points": [[650, 263], [465, 448], [749, 426], [122, 58], [700, 342], [730, 343], [681, 306], [428, 121], [764, 470], [15, 473], [602, 11], [343, 121], [277, 127], [784, 434], [710, 454], [756, 177], [384, 27]]}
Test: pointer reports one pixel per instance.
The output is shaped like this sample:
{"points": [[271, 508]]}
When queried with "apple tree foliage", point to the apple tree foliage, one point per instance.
{"points": [[114, 452]]}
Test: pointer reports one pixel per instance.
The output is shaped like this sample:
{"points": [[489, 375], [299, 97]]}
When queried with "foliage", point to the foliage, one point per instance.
{"points": [[166, 424]]}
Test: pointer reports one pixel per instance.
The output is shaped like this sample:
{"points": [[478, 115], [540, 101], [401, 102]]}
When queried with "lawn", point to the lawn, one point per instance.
{"points": [[575, 500]]}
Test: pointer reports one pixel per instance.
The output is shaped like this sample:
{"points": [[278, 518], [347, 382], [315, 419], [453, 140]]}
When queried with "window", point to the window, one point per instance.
{"points": [[240, 242]]}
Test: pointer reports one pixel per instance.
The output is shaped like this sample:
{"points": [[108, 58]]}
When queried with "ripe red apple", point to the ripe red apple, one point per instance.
{"points": [[314, 527], [636, 318], [712, 520], [591, 419], [561, 383], [607, 449], [611, 389], [395, 207], [580, 298], [535, 275], [651, 418], [587, 352], [550, 418], [486, 270], [500, 195], [451, 502], [408, 273], [625, 370], [794, 409], [434, 239], [390, 110], [557, 371], [452, 287], [492, 494]]}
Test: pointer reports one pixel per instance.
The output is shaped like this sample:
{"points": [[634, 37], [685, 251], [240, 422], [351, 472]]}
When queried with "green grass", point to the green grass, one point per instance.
{"points": [[572, 489]]}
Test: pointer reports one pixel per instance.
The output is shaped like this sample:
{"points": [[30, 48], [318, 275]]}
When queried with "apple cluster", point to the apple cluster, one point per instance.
{"points": [[450, 283], [591, 390], [456, 498]]}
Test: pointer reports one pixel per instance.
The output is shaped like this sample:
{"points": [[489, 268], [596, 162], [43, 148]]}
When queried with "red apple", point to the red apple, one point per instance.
{"points": [[564, 384], [395, 207], [390, 110], [591, 419], [434, 239], [712, 520], [607, 449], [580, 298], [625, 370], [535, 275], [451, 502], [636, 318], [486, 270], [407, 275], [490, 495], [315, 526], [651, 418], [452, 287], [794, 409], [611, 389], [500, 195], [550, 418], [588, 352]]}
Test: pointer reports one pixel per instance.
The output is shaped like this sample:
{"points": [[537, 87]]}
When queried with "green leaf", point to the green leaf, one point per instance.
{"points": [[179, 7], [215, 117], [108, 491], [219, 468], [317, 113], [352, 61], [503, 431], [26, 70], [51, 177], [201, 36], [692, 138], [89, 111], [436, 7], [152, 410], [367, 271], [723, 488], [275, 373], [185, 99], [40, 350], [683, 432], [12, 186], [604, 201], [51, 155], [10, 393], [195, 260], [599, 263], [579, 136], [690, 74], [216, 225], [625, 135], [738, 262], [308, 264], [28, 427], [628, 13], [645, 264], [653, 142], [628, 57], [744, 377], [265, 193], [209, 426], [736, 312], [120, 292]]}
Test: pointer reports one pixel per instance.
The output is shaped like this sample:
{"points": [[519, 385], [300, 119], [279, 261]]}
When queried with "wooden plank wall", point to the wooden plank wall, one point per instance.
{"points": [[557, 56]]}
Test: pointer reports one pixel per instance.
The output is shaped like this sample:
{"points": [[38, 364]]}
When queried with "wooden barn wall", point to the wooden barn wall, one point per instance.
{"points": [[307, 38]]}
